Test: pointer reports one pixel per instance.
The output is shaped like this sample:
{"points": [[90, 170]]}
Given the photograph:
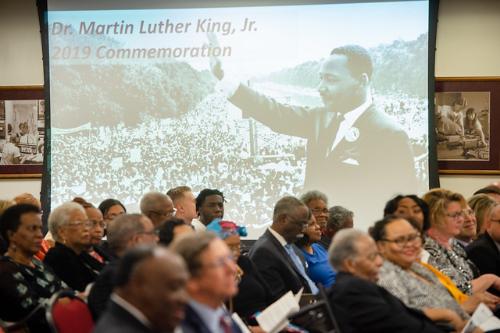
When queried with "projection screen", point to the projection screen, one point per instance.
{"points": [[135, 105]]}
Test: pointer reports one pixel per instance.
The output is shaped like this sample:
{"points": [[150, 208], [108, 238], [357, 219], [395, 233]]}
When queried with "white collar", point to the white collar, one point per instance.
{"points": [[135, 312], [276, 235]]}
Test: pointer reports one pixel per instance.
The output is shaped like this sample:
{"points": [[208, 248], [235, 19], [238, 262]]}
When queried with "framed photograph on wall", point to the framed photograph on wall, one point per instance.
{"points": [[467, 125], [22, 131]]}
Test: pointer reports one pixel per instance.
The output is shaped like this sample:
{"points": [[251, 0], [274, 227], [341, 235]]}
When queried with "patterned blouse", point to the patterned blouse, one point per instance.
{"points": [[452, 262], [22, 288], [414, 292]]}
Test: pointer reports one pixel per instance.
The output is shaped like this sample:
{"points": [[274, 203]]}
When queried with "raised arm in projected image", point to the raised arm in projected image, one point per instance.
{"points": [[350, 141]]}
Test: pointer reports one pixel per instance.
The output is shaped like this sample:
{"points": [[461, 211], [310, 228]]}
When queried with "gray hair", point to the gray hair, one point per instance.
{"points": [[307, 197], [337, 217], [190, 247], [149, 201], [286, 206], [344, 247], [60, 216], [122, 229]]}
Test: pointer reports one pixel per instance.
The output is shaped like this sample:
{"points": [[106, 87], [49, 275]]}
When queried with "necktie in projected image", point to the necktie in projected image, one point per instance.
{"points": [[296, 260], [225, 323]]}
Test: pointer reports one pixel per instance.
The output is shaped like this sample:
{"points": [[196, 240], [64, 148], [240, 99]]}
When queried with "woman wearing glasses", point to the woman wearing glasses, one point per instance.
{"points": [[400, 244], [69, 258], [446, 213]]}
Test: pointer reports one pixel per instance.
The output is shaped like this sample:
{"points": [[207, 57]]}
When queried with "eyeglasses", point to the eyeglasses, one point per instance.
{"points": [[78, 224], [221, 262], [404, 240], [154, 232], [456, 215], [468, 212], [100, 224], [319, 211]]}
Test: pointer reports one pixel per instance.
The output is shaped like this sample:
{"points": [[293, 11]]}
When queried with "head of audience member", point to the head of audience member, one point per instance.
{"points": [[171, 229], [354, 252], [27, 198], [211, 265], [128, 231], [469, 229], [446, 213], [230, 233], [398, 240], [157, 206], [409, 207], [21, 229], [210, 205], [311, 235], [96, 220], [493, 227], [345, 78], [481, 204], [318, 204], [339, 218], [493, 191], [4, 204], [290, 218], [110, 209], [70, 226], [184, 202], [153, 280]]}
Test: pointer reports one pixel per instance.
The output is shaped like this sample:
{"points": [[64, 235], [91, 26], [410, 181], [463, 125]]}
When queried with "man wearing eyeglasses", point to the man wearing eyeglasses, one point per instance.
{"points": [[275, 255], [158, 207], [212, 282]]}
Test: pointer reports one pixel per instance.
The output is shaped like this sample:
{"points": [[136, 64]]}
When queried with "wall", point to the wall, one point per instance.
{"points": [[467, 45]]}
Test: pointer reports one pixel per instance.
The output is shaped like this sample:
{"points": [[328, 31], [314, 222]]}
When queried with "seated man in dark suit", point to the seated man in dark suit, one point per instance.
{"points": [[150, 294], [274, 254], [484, 251], [212, 282], [360, 305]]}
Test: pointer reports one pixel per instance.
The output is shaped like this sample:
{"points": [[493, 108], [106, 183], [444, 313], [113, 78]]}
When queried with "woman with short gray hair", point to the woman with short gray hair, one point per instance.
{"points": [[69, 258]]}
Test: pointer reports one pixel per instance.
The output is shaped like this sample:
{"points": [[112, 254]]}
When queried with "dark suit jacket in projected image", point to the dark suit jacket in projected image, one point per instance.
{"points": [[380, 158]]}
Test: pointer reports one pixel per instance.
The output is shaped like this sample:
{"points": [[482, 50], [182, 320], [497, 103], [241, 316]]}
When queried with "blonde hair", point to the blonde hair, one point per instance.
{"points": [[481, 204], [438, 199]]}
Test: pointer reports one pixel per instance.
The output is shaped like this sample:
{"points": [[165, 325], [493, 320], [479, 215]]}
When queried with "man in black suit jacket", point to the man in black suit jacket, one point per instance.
{"points": [[358, 303], [348, 138], [484, 251], [212, 282], [150, 294], [269, 253]]}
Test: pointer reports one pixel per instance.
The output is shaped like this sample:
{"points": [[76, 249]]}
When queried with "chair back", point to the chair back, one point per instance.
{"points": [[68, 313]]}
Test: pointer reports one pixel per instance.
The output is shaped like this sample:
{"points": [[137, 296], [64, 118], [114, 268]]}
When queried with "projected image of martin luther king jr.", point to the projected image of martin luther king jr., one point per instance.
{"points": [[351, 144]]}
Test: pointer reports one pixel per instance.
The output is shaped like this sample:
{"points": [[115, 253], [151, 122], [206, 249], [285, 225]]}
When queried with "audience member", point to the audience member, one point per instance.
{"points": [[358, 303], [409, 207], [157, 206], [318, 267], [254, 294], [446, 217], [110, 209], [400, 244], [482, 205], [339, 218], [209, 205], [69, 258], [125, 232], [484, 251], [212, 282], [171, 229], [493, 191], [277, 258], [318, 204], [184, 203], [4, 204], [26, 284], [150, 294], [468, 231]]}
